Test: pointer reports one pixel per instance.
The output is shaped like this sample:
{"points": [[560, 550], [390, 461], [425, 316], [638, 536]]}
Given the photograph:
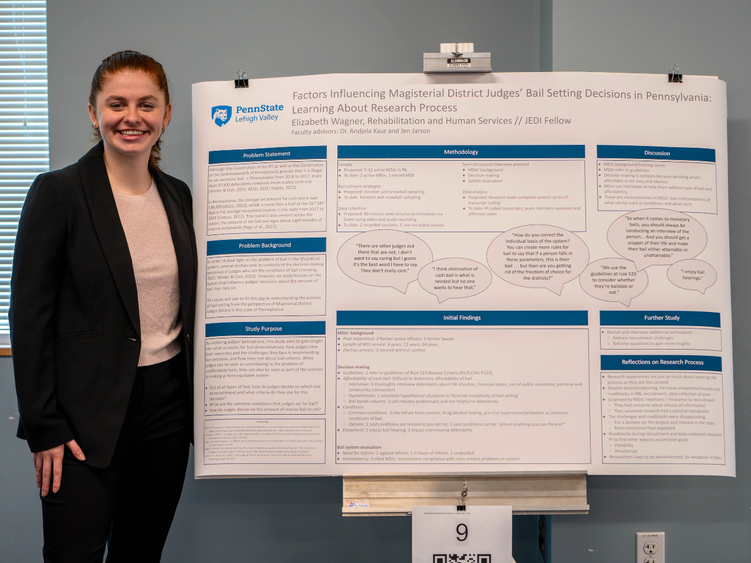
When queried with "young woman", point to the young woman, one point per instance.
{"points": [[102, 306]]}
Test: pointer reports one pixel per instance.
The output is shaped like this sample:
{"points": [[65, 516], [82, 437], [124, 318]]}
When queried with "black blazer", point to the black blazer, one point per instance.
{"points": [[74, 322]]}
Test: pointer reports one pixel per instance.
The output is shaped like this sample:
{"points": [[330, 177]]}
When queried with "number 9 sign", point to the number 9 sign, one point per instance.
{"points": [[441, 534]]}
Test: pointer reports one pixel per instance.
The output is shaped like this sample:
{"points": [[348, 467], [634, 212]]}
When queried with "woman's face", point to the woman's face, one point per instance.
{"points": [[130, 112]]}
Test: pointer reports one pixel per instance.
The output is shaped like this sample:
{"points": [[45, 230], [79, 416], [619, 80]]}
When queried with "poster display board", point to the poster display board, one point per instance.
{"points": [[428, 274]]}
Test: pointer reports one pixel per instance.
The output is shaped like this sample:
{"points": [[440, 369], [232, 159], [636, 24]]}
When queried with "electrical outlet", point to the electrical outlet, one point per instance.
{"points": [[650, 547]]}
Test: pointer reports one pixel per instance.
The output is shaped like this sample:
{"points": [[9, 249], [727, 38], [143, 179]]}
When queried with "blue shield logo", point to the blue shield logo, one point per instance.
{"points": [[221, 114]]}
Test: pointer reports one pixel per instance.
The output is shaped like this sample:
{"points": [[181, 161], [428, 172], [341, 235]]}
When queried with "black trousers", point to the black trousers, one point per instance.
{"points": [[131, 503]]}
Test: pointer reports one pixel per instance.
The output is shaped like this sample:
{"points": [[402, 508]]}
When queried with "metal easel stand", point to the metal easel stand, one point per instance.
{"points": [[554, 492]]}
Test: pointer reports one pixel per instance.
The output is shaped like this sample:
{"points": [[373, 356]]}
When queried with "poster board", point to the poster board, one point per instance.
{"points": [[430, 274]]}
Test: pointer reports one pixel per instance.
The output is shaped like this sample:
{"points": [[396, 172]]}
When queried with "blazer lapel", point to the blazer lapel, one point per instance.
{"points": [[109, 229], [181, 240]]}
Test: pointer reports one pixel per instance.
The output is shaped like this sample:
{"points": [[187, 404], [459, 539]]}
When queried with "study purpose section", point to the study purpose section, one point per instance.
{"points": [[402, 273]]}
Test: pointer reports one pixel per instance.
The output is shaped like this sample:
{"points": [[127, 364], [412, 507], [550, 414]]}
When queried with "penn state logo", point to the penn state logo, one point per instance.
{"points": [[221, 114]]}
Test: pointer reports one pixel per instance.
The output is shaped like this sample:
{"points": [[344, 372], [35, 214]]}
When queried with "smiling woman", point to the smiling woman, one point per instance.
{"points": [[132, 106], [129, 110], [130, 113], [102, 302]]}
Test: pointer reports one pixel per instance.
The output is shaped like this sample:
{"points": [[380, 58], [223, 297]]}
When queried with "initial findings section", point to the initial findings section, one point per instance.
{"points": [[269, 189], [462, 387], [663, 409], [483, 188], [260, 277], [638, 177]]}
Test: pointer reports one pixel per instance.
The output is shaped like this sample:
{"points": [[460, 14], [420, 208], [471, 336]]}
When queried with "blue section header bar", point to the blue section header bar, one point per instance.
{"points": [[659, 318], [259, 155], [655, 153], [310, 328], [266, 246], [661, 363], [461, 318], [464, 152]]}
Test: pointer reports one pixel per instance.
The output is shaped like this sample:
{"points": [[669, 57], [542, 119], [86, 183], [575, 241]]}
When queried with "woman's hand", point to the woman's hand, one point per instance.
{"points": [[49, 464]]}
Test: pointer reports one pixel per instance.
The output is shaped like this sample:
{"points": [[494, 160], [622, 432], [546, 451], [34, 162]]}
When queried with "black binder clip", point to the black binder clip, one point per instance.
{"points": [[674, 76], [242, 79]]}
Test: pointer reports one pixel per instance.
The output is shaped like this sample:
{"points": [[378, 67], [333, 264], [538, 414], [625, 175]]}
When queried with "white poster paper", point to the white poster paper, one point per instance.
{"points": [[501, 272]]}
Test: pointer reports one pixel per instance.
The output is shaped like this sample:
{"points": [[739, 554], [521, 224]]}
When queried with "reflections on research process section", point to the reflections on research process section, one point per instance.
{"points": [[663, 409]]}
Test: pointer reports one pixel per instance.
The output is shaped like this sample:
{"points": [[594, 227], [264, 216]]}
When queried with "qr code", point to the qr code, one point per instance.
{"points": [[463, 558]]}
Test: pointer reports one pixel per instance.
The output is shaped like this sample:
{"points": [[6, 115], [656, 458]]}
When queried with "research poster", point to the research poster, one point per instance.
{"points": [[409, 273]]}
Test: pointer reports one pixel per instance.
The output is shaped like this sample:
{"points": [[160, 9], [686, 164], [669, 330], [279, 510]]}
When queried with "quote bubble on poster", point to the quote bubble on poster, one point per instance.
{"points": [[694, 275], [613, 279], [657, 237], [454, 278], [538, 256], [384, 258]]}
